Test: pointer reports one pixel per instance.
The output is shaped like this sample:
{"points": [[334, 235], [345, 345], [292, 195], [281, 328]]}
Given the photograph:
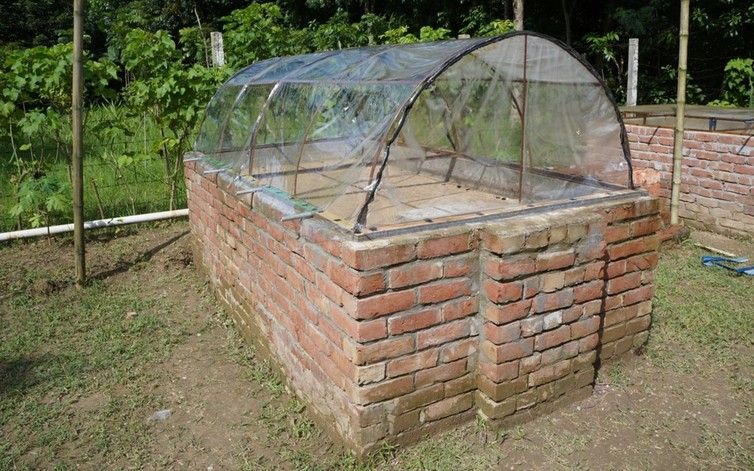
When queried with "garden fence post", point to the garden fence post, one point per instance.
{"points": [[633, 71], [218, 55], [77, 150], [680, 111]]}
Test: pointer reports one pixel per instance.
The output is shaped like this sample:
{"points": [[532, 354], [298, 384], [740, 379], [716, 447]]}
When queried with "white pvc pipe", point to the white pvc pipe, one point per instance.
{"points": [[121, 221]]}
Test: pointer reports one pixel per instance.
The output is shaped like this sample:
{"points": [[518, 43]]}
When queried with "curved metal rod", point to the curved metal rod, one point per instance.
{"points": [[400, 118], [262, 111]]}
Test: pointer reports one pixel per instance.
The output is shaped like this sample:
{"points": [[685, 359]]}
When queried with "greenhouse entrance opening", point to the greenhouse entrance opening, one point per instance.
{"points": [[382, 138]]}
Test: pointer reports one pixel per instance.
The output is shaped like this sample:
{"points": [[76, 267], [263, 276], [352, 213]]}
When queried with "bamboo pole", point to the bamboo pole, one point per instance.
{"points": [[680, 111], [77, 152]]}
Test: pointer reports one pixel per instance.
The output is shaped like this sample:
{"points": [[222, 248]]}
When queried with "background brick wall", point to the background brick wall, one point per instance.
{"points": [[717, 185], [382, 338]]}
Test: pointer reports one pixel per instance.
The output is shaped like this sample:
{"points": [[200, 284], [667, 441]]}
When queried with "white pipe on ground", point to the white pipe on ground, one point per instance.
{"points": [[121, 221]]}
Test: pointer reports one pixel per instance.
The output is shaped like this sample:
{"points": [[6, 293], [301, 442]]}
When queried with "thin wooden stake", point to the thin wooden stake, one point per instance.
{"points": [[680, 111], [77, 153], [99, 200]]}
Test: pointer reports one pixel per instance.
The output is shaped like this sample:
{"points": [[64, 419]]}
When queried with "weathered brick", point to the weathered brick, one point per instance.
{"points": [[508, 268], [638, 324], [459, 349], [370, 373], [499, 372], [447, 407], [403, 422], [369, 258], [444, 246], [508, 312], [356, 283], [532, 325], [459, 308], [552, 320], [444, 290], [413, 274], [494, 409], [613, 333], [412, 321], [585, 327], [624, 283], [552, 338], [443, 333], [637, 295], [440, 373], [460, 385], [360, 331], [508, 351], [384, 390], [420, 397], [504, 390], [588, 291], [501, 244], [410, 363], [549, 373], [502, 292], [551, 301], [381, 304], [555, 260], [381, 350], [530, 363], [498, 334], [462, 266], [633, 247]]}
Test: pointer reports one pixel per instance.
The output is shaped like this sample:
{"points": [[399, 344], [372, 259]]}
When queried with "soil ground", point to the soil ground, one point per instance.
{"points": [[83, 371]]}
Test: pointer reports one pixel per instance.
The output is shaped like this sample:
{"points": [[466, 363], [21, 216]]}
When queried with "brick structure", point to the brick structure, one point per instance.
{"points": [[395, 338], [717, 185]]}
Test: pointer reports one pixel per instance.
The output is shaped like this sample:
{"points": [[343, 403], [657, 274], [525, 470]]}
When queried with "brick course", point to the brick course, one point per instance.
{"points": [[388, 340]]}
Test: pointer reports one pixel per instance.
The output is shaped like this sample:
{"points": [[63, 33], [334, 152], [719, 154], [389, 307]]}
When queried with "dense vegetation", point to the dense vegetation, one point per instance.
{"points": [[148, 76]]}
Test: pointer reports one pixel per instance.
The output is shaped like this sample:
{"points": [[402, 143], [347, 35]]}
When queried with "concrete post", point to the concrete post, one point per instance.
{"points": [[633, 71], [218, 54]]}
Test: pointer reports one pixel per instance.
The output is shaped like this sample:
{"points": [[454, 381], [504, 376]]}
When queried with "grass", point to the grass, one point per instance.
{"points": [[80, 371], [704, 312]]}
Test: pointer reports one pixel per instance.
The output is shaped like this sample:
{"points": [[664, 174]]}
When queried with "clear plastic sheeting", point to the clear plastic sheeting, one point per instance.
{"points": [[373, 138]]}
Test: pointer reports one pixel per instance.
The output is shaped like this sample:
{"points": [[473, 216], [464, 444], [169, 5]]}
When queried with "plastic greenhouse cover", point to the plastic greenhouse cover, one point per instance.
{"points": [[382, 136]]}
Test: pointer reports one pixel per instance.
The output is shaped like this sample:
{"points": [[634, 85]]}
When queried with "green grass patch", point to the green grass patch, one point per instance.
{"points": [[704, 312]]}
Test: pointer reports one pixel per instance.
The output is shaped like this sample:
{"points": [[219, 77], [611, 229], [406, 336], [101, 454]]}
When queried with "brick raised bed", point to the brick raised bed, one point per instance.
{"points": [[717, 185], [396, 338]]}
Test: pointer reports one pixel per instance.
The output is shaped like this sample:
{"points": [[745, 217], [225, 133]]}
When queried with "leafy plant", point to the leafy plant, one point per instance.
{"points": [[738, 82], [40, 198], [401, 35], [260, 31], [171, 94]]}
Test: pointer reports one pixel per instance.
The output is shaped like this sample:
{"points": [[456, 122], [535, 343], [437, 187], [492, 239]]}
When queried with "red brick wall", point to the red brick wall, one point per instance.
{"points": [[382, 337], [717, 185], [556, 300]]}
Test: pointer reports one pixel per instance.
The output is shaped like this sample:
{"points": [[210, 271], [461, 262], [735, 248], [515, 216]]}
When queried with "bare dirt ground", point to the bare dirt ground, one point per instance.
{"points": [[82, 372]]}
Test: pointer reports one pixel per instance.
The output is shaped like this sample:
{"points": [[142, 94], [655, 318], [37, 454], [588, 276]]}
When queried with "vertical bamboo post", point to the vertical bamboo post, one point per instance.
{"points": [[518, 14], [77, 151], [680, 111]]}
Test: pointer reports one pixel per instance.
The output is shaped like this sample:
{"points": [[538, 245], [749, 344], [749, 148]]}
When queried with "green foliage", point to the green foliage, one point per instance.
{"points": [[260, 31], [401, 35], [40, 198], [171, 94], [496, 28], [738, 82]]}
